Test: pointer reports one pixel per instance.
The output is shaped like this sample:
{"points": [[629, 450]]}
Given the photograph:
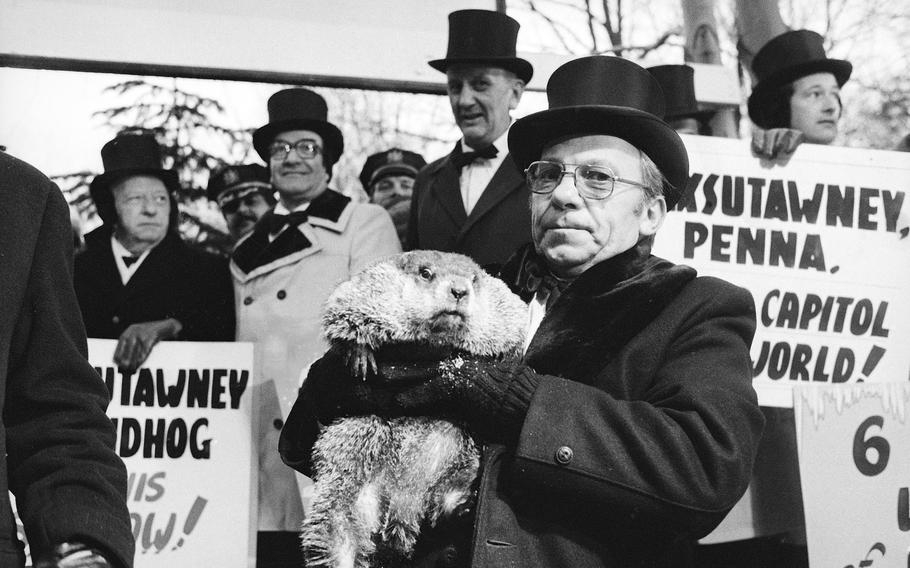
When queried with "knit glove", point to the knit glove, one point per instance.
{"points": [[74, 555], [490, 397], [332, 391]]}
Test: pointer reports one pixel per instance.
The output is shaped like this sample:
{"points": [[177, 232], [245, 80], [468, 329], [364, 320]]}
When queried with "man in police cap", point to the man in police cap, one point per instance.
{"points": [[244, 195], [474, 200], [283, 271], [388, 178]]}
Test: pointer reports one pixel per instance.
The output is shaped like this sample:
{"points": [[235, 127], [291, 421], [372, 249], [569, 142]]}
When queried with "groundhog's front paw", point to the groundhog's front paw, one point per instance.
{"points": [[361, 361]]}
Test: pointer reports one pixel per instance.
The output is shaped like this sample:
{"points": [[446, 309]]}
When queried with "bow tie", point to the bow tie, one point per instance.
{"points": [[536, 277], [277, 222], [129, 260], [461, 159]]}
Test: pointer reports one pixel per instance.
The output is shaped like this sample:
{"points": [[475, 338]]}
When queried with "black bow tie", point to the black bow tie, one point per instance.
{"points": [[129, 260], [536, 277], [277, 221], [461, 159]]}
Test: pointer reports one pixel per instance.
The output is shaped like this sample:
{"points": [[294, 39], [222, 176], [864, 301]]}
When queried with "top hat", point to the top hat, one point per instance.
{"points": [[784, 59], [233, 182], [483, 37], [299, 109], [605, 95], [124, 156], [392, 162], [678, 85]]}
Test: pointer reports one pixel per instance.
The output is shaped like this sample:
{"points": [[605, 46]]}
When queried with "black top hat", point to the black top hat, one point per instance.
{"points": [[299, 109], [124, 156], [483, 37], [605, 95], [237, 178], [784, 59], [678, 85], [392, 162]]}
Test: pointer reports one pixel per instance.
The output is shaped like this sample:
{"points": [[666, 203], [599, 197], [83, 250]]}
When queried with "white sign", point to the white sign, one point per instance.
{"points": [[854, 458], [820, 241], [184, 432]]}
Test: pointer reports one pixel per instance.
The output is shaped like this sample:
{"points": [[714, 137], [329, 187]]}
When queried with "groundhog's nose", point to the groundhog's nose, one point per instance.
{"points": [[458, 292]]}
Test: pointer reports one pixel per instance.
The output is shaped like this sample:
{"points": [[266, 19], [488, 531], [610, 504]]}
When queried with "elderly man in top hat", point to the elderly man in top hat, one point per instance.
{"points": [[474, 200], [244, 195], [629, 428], [136, 280], [388, 178], [283, 271], [678, 85], [797, 94]]}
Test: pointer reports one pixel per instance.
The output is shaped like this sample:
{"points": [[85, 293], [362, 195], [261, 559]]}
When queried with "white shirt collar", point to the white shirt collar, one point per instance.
{"points": [[120, 251], [501, 143]]}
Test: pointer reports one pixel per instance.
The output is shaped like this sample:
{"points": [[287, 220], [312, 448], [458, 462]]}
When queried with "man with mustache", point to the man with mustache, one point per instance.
{"points": [[388, 178], [474, 200], [629, 427], [283, 272], [244, 195], [797, 95]]}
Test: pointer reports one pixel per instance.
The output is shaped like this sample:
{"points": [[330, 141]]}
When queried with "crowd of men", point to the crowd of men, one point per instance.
{"points": [[627, 431]]}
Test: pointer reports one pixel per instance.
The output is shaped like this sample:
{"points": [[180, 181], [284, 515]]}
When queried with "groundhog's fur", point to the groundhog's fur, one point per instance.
{"points": [[378, 481]]}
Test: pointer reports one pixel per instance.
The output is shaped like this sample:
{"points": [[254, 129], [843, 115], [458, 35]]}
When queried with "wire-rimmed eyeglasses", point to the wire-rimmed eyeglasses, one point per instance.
{"points": [[592, 182], [305, 149]]}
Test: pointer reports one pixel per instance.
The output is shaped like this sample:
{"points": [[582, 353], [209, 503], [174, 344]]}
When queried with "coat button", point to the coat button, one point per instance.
{"points": [[115, 320], [248, 300], [564, 455], [278, 423], [282, 294]]}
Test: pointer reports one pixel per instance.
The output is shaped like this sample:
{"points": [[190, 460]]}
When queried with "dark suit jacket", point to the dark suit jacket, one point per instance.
{"points": [[173, 281], [57, 443], [499, 223]]}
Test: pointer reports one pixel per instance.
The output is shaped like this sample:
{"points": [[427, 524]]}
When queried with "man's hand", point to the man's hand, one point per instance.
{"points": [[74, 555], [332, 390], [137, 340], [491, 398], [775, 143]]}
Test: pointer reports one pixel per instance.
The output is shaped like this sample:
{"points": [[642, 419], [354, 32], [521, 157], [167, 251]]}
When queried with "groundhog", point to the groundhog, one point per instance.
{"points": [[378, 481]]}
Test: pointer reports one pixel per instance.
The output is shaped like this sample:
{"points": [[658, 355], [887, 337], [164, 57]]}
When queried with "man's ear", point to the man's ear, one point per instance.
{"points": [[518, 89], [652, 216]]}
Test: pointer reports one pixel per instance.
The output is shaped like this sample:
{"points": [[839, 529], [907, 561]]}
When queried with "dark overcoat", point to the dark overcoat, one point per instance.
{"points": [[499, 223], [639, 438], [174, 281], [56, 447]]}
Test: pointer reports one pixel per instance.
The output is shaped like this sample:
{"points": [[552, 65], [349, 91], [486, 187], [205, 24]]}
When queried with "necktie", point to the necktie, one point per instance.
{"points": [[462, 158], [278, 221], [129, 260]]}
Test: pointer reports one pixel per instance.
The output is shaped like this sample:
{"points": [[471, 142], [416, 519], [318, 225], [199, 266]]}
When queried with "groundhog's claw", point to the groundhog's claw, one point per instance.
{"points": [[361, 361]]}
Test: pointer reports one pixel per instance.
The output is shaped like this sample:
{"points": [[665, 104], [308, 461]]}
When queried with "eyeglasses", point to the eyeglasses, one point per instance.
{"points": [[306, 149], [592, 182]]}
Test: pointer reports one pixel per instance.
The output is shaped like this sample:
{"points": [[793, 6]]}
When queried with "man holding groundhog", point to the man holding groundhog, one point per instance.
{"points": [[629, 428]]}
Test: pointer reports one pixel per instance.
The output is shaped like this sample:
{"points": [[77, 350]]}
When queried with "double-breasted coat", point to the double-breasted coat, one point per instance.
{"points": [[174, 281], [56, 442], [639, 438], [499, 223], [280, 290]]}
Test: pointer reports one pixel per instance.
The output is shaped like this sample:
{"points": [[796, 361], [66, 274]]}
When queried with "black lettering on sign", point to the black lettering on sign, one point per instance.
{"points": [[870, 454]]}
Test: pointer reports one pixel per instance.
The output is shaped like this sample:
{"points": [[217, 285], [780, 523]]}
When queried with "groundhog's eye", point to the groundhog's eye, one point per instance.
{"points": [[425, 273]]}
